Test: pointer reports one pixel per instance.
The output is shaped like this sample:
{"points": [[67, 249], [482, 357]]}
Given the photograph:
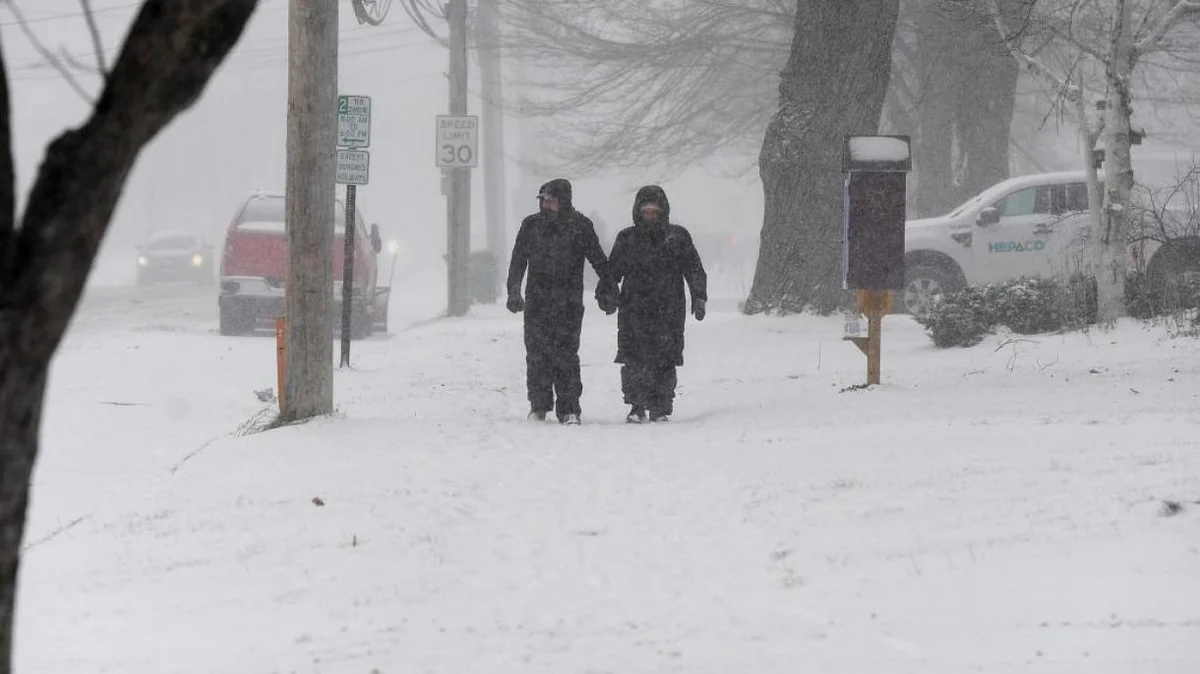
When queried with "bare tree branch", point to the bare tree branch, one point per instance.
{"points": [[97, 41], [418, 10], [170, 54], [649, 81], [8, 199], [1031, 64], [1182, 10], [47, 54], [76, 64]]}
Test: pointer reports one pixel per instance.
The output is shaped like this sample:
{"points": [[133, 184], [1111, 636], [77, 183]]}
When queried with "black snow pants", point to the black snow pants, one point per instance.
{"points": [[649, 386], [552, 358]]}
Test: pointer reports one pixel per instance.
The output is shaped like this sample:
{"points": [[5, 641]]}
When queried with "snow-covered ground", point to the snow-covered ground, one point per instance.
{"points": [[997, 509]]}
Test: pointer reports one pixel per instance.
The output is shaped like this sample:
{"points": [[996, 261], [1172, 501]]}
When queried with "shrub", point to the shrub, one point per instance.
{"points": [[959, 319], [1030, 306], [1024, 305], [1178, 303], [1138, 301]]}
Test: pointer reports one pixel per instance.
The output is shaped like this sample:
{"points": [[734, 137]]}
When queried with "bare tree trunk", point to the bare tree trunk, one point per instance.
{"points": [[1118, 169], [967, 87], [938, 75], [834, 84], [310, 206], [21, 391], [1087, 138], [170, 52], [986, 101]]}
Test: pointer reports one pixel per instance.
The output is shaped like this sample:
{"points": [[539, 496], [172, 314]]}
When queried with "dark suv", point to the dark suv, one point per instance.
{"points": [[175, 256]]}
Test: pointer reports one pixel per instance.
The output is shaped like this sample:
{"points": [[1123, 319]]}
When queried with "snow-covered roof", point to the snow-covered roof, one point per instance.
{"points": [[170, 234]]}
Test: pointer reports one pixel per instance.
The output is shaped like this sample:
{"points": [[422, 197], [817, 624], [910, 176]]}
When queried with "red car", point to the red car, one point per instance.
{"points": [[254, 266]]}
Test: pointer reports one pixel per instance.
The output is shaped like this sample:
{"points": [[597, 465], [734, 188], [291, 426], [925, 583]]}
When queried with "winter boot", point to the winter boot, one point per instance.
{"points": [[659, 417], [571, 419], [637, 415], [537, 415]]}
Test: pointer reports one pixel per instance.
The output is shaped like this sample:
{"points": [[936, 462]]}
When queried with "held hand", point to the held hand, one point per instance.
{"points": [[698, 309], [515, 304], [608, 300]]}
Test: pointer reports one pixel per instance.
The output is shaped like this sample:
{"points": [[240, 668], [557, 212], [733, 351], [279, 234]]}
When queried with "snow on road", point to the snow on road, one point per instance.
{"points": [[995, 509]]}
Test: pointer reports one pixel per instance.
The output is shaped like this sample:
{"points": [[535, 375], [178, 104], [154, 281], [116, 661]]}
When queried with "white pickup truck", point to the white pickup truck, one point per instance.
{"points": [[1032, 225]]}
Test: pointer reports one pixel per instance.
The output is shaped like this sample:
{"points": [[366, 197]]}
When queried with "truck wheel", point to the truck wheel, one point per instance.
{"points": [[1175, 279], [922, 285]]}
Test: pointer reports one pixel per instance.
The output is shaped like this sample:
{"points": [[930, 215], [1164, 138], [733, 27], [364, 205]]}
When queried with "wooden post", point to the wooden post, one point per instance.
{"points": [[281, 358], [309, 204], [874, 304], [487, 40], [458, 238]]}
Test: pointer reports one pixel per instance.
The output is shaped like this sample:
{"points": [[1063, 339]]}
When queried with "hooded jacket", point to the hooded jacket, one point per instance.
{"points": [[552, 248], [653, 262]]}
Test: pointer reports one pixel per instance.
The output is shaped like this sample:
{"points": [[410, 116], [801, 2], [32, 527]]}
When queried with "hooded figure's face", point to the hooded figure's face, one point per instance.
{"points": [[555, 196], [650, 206], [650, 213]]}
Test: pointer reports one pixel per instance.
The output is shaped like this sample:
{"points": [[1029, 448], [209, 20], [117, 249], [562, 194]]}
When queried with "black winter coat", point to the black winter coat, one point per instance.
{"points": [[553, 247], [652, 262]]}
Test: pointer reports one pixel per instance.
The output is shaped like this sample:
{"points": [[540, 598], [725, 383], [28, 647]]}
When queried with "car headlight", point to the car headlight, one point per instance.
{"points": [[197, 260], [142, 261]]}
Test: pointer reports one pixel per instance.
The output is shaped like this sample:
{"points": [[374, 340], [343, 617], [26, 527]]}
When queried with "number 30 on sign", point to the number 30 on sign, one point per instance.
{"points": [[457, 141]]}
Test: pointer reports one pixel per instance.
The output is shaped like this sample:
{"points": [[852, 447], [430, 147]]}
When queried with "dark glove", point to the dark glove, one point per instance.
{"points": [[515, 304], [698, 309]]}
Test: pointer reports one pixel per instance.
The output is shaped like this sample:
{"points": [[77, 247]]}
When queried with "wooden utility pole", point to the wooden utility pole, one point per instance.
{"points": [[309, 194], [487, 41], [458, 210]]}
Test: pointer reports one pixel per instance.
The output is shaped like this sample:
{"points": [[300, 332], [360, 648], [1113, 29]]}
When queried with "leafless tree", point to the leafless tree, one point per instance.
{"points": [[1162, 215], [629, 82], [833, 85], [954, 86], [168, 56], [1082, 46], [66, 63]]}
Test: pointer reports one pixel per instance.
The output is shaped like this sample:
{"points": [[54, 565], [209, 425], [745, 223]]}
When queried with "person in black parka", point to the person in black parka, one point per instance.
{"points": [[553, 244], [652, 260]]}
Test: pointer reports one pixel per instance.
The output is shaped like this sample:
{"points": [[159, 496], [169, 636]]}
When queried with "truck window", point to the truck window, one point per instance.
{"points": [[1029, 201], [265, 213], [1077, 198]]}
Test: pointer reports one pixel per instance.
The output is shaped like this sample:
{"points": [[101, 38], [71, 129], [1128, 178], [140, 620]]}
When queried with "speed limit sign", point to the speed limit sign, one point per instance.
{"points": [[457, 141]]}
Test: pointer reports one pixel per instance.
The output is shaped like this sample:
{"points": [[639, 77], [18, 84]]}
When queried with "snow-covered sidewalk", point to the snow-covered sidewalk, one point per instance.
{"points": [[996, 509]]}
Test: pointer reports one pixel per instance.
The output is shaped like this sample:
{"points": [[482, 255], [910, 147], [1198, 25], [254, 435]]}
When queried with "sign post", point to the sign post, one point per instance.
{"points": [[873, 232], [457, 152], [457, 141], [353, 169]]}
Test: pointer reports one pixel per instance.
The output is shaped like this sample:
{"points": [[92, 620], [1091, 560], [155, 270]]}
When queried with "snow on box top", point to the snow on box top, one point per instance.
{"points": [[878, 149]]}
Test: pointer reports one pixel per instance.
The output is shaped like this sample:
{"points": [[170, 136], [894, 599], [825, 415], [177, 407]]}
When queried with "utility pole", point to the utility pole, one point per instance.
{"points": [[309, 206], [488, 44], [458, 207]]}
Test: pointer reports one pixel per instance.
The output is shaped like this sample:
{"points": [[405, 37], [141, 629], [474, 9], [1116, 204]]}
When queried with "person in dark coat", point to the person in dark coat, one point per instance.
{"points": [[652, 261], [552, 245]]}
